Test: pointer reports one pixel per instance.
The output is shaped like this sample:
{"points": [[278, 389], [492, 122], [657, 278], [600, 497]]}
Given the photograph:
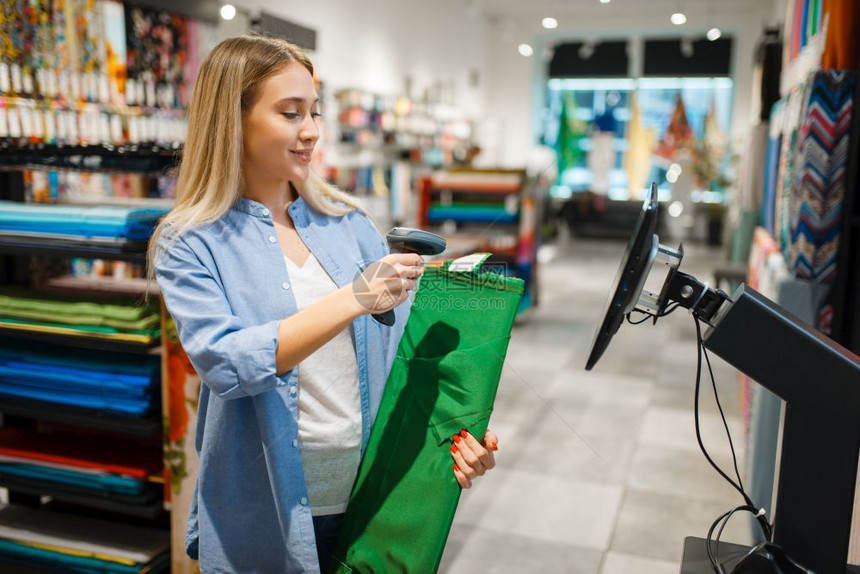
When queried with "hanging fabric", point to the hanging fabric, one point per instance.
{"points": [[640, 146], [818, 183], [841, 45]]}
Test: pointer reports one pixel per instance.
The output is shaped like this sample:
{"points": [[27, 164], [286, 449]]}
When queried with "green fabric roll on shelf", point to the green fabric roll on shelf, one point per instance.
{"points": [[444, 379], [23, 305]]}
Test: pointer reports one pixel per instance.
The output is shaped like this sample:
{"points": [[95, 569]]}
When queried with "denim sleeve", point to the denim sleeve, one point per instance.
{"points": [[232, 359]]}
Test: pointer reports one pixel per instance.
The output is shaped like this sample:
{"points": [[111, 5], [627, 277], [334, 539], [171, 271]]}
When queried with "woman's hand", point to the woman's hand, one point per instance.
{"points": [[386, 283], [473, 458]]}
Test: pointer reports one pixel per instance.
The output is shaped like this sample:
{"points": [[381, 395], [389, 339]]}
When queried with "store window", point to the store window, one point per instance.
{"points": [[614, 136]]}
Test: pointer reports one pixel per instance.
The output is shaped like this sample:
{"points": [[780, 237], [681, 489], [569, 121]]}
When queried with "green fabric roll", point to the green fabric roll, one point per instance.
{"points": [[444, 379], [22, 305]]}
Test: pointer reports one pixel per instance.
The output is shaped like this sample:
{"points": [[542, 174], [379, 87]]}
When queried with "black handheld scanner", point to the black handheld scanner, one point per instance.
{"points": [[410, 240]]}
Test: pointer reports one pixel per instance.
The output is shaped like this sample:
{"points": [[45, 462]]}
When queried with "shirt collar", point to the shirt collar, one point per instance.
{"points": [[257, 209]]}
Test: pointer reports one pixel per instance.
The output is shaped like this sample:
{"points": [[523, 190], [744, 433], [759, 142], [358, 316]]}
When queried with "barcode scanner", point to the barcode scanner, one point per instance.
{"points": [[410, 240]]}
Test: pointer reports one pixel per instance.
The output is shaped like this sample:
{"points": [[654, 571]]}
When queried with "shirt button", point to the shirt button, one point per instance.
{"points": [[266, 212], [286, 286], [304, 500], [295, 442], [293, 390], [273, 239]]}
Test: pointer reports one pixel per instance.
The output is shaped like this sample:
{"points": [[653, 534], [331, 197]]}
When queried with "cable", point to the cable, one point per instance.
{"points": [[640, 321], [723, 416], [749, 506], [713, 549], [711, 546], [668, 311], [696, 415]]}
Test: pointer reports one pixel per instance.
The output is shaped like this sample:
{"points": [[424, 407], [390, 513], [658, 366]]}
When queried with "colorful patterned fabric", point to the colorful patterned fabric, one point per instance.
{"points": [[771, 172], [818, 183], [790, 126]]}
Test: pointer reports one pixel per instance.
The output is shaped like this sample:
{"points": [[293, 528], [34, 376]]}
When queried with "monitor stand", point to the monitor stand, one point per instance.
{"points": [[820, 382]]}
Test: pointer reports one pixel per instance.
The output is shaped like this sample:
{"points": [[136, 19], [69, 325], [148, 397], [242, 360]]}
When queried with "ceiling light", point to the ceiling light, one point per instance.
{"points": [[678, 19], [676, 208], [525, 50], [228, 12], [714, 34], [549, 23], [604, 1]]}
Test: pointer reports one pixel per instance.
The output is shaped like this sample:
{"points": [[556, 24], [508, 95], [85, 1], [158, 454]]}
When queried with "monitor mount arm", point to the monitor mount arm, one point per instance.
{"points": [[680, 288]]}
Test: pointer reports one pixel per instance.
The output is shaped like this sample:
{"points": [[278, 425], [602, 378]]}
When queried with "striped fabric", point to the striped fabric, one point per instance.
{"points": [[817, 185], [771, 172], [790, 127]]}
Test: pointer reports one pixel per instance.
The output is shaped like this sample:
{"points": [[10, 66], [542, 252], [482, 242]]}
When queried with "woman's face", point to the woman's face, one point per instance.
{"points": [[280, 131]]}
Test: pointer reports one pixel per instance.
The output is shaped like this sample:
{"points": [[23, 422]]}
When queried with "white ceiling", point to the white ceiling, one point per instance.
{"points": [[621, 8]]}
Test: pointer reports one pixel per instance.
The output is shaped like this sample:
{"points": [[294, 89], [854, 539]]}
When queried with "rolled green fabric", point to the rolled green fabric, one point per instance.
{"points": [[22, 305], [444, 379]]}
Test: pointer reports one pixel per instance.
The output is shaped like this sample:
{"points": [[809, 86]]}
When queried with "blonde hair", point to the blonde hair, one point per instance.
{"points": [[210, 177]]}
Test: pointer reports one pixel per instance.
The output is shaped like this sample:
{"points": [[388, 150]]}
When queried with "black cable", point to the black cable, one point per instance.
{"points": [[713, 547], [640, 321], [723, 416], [712, 556], [713, 553], [696, 416], [713, 550], [668, 311], [744, 508]]}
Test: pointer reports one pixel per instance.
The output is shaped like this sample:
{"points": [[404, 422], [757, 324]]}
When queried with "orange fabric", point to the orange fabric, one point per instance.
{"points": [[840, 49]]}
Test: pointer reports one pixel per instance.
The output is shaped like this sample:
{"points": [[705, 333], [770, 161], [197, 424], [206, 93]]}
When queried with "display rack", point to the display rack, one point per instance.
{"points": [[17, 257], [381, 145], [492, 210]]}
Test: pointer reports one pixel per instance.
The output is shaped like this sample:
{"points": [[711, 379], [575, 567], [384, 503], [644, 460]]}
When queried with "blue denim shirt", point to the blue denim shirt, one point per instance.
{"points": [[227, 288]]}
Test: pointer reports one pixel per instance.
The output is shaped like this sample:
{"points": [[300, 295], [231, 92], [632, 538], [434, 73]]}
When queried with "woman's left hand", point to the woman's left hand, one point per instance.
{"points": [[473, 458]]}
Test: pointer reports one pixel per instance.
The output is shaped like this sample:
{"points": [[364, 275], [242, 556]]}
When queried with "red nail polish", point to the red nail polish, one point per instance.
{"points": [[456, 468], [464, 433], [457, 438], [493, 446], [454, 448]]}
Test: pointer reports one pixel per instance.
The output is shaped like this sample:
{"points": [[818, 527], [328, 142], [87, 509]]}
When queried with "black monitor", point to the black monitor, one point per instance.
{"points": [[630, 279]]}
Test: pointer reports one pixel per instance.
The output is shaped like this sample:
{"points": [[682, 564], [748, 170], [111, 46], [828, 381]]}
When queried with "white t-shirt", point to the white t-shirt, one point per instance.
{"points": [[329, 403]]}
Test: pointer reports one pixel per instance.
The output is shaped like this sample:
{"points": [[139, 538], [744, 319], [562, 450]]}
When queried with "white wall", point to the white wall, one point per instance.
{"points": [[510, 93], [375, 45]]}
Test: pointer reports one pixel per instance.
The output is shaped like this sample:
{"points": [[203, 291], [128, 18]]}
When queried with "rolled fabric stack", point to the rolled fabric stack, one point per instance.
{"points": [[477, 212], [83, 223], [118, 320], [84, 378], [73, 543], [79, 463]]}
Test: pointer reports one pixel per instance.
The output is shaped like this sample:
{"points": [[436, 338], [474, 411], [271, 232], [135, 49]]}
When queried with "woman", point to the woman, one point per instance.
{"points": [[256, 264]]}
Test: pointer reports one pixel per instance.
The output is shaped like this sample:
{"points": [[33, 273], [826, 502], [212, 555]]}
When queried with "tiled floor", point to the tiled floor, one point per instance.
{"points": [[598, 472]]}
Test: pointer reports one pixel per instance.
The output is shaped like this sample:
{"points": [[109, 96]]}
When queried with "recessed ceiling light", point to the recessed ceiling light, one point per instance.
{"points": [[228, 11], [525, 50], [604, 1], [714, 34], [678, 19], [549, 23]]}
